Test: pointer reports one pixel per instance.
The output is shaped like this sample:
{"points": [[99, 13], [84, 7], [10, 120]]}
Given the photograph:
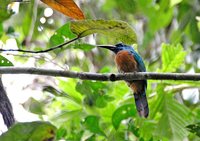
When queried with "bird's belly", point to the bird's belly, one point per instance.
{"points": [[125, 62]]}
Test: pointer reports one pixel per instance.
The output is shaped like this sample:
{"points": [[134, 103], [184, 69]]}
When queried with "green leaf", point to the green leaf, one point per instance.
{"points": [[147, 129], [30, 131], [95, 93], [65, 116], [1, 29], [61, 35], [92, 124], [194, 31], [161, 9], [4, 12], [172, 57], [174, 117], [174, 2], [83, 46], [56, 40], [26, 20], [129, 6], [35, 106], [68, 87], [91, 138], [59, 93], [122, 113], [105, 69], [194, 128], [61, 132], [132, 128], [118, 30], [5, 62]]}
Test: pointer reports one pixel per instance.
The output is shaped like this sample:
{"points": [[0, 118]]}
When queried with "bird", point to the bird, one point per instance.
{"points": [[128, 60]]}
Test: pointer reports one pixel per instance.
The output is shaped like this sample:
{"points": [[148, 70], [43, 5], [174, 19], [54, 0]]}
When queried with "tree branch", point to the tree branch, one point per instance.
{"points": [[40, 51], [101, 77]]}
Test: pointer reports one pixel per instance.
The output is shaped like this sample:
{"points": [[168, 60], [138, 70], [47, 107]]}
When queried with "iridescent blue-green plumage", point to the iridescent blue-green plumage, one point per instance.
{"points": [[128, 60]]}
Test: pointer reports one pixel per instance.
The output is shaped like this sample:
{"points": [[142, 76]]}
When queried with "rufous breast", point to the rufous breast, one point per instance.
{"points": [[125, 61]]}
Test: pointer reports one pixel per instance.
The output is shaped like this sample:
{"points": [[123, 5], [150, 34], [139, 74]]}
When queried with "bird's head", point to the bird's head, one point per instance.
{"points": [[118, 47]]}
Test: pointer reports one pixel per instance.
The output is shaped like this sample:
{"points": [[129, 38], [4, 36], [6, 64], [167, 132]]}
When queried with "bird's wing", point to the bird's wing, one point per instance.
{"points": [[140, 64], [139, 61]]}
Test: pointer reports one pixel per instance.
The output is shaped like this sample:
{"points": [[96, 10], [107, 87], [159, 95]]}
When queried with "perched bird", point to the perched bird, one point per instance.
{"points": [[128, 60]]}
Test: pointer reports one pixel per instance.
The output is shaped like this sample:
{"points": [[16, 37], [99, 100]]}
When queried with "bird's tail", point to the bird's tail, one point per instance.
{"points": [[141, 104]]}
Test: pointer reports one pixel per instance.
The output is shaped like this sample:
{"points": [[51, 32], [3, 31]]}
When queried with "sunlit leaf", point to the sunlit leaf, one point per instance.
{"points": [[55, 92], [83, 46], [91, 138], [61, 132], [163, 12], [35, 106], [95, 93], [122, 113], [174, 2], [174, 117], [92, 124], [30, 131], [1, 29], [146, 129], [172, 57], [5, 62], [67, 7], [26, 20], [195, 33], [61, 35], [5, 13], [56, 40], [105, 69], [128, 5], [69, 88], [115, 29], [67, 115]]}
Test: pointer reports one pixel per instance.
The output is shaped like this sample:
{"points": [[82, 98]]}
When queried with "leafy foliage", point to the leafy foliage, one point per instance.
{"points": [[118, 30], [172, 57], [171, 119], [4, 12], [92, 123], [61, 35], [168, 40], [122, 113], [37, 130], [194, 128]]}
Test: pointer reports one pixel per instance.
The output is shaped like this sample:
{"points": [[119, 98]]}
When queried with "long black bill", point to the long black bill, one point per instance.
{"points": [[110, 47]]}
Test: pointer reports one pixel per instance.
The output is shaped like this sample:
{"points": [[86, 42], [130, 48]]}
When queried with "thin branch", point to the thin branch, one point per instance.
{"points": [[39, 57], [40, 51], [101, 77]]}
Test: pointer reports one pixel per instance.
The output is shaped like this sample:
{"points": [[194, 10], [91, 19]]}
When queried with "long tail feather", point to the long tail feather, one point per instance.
{"points": [[141, 104]]}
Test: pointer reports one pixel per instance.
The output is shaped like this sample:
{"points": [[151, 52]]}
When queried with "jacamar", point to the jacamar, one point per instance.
{"points": [[128, 60]]}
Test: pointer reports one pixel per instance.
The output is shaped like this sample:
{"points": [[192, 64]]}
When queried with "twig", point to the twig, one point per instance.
{"points": [[41, 56], [40, 51], [101, 77]]}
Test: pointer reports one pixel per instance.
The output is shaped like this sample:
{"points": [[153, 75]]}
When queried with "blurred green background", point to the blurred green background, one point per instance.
{"points": [[168, 33]]}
